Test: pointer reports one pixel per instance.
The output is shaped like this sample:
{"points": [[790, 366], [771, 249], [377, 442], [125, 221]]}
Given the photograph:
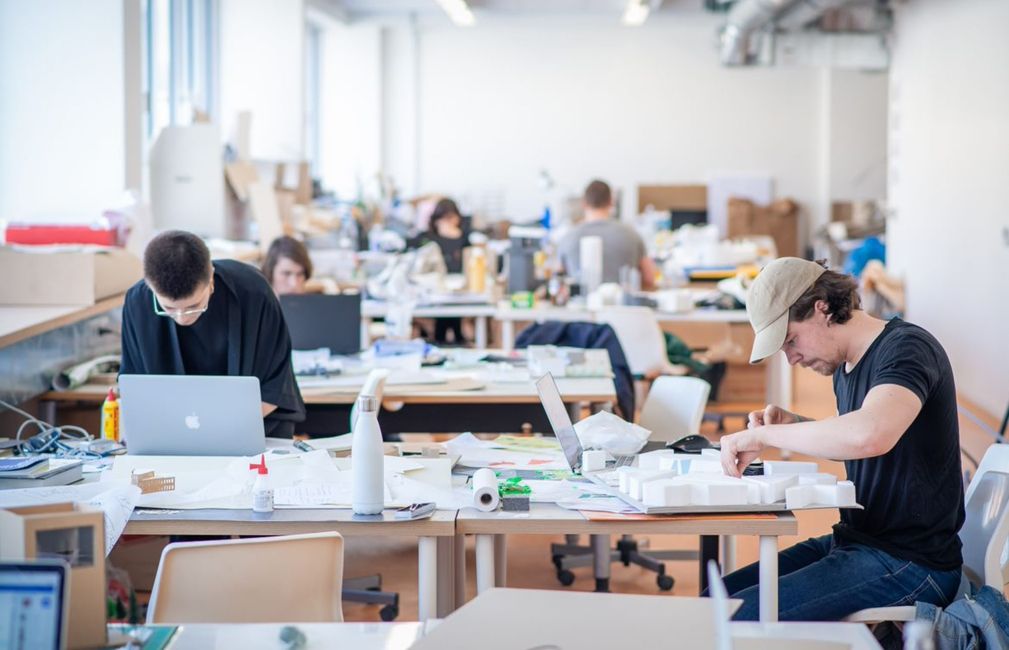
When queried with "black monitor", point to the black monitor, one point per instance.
{"points": [[324, 321], [679, 218]]}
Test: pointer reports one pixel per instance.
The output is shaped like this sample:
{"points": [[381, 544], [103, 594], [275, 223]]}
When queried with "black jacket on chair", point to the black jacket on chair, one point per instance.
{"points": [[590, 336]]}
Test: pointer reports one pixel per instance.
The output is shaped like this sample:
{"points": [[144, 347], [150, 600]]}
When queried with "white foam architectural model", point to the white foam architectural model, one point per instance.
{"points": [[667, 479]]}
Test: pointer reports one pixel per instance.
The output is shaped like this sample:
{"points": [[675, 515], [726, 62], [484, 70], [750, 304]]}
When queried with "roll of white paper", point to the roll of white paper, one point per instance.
{"points": [[590, 263], [485, 495]]}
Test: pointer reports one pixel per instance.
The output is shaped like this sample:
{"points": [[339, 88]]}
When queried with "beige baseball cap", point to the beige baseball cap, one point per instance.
{"points": [[769, 298]]}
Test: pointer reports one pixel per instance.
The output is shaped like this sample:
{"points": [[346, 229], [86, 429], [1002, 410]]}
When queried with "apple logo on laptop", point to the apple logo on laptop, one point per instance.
{"points": [[193, 422]]}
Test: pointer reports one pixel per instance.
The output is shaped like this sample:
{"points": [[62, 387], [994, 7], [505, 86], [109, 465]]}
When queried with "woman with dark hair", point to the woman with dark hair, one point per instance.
{"points": [[287, 266], [445, 228]]}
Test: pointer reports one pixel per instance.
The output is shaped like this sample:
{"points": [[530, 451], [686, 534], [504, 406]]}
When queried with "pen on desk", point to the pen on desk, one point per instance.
{"points": [[303, 446]]}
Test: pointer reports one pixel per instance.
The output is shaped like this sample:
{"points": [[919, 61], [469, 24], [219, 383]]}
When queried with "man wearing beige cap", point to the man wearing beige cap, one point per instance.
{"points": [[896, 431]]}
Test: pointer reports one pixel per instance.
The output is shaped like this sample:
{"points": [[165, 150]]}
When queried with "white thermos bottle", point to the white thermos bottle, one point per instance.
{"points": [[366, 459]]}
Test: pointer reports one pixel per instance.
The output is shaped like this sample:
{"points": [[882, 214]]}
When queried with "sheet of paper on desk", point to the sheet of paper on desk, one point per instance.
{"points": [[115, 500], [506, 459]]}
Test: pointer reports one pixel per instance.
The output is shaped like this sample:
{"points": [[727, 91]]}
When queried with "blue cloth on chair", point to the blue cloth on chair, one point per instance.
{"points": [[589, 336]]}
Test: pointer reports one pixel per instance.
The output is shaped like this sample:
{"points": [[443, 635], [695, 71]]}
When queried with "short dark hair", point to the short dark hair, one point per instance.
{"points": [[442, 209], [598, 195], [838, 290], [176, 263], [290, 248]]}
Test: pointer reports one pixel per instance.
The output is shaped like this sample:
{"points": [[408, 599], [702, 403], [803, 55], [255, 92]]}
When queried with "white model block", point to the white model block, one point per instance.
{"points": [[665, 493], [772, 488], [817, 478], [651, 459], [705, 467], [840, 495], [711, 454], [720, 494], [593, 460], [637, 480], [623, 475], [788, 467]]}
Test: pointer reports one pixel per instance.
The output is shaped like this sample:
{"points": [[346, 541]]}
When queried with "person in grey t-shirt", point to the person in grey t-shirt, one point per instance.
{"points": [[622, 246]]}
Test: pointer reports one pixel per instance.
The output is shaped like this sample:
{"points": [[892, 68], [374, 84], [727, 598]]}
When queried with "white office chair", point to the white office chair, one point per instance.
{"points": [[291, 579], [984, 533], [674, 408], [641, 338]]}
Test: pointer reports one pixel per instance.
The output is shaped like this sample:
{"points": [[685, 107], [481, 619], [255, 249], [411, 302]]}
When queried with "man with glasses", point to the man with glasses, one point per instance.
{"points": [[191, 316]]}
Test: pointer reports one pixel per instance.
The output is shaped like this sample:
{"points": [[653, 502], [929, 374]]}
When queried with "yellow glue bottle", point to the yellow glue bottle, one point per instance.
{"points": [[110, 416]]}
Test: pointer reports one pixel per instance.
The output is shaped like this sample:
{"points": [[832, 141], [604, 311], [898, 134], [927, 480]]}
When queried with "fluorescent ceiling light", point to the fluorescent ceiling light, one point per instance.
{"points": [[636, 12], [458, 11]]}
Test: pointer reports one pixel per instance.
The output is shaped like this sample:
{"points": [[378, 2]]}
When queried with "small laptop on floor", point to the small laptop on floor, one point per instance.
{"points": [[34, 599], [191, 415]]}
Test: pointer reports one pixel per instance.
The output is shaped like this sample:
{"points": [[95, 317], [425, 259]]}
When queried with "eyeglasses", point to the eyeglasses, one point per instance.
{"points": [[176, 314]]}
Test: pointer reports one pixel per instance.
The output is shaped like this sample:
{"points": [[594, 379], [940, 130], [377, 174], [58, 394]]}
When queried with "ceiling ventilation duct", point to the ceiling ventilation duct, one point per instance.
{"points": [[750, 25]]}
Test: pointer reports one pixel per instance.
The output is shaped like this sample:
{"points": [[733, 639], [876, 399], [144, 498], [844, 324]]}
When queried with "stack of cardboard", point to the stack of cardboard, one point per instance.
{"points": [[780, 220]]}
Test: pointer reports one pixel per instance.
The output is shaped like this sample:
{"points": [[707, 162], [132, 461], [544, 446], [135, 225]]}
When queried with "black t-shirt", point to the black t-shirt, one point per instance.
{"points": [[451, 250], [204, 344], [913, 494]]}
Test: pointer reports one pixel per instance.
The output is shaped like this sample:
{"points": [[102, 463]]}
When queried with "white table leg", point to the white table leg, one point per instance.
{"points": [[427, 578], [481, 332], [728, 546], [507, 335], [484, 563], [768, 579], [459, 551], [446, 581], [500, 560], [601, 560]]}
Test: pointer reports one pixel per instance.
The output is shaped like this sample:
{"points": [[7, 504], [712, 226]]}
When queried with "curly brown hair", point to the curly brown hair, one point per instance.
{"points": [[838, 290]]}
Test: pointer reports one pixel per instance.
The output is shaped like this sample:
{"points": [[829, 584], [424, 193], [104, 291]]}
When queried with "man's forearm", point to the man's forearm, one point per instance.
{"points": [[840, 438]]}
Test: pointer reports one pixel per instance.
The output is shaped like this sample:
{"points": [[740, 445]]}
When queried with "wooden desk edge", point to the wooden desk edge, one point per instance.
{"points": [[85, 312], [784, 524]]}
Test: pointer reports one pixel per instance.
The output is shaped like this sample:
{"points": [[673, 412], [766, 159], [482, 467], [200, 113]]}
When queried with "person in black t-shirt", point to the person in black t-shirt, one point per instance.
{"points": [[191, 316], [446, 229], [896, 431]]}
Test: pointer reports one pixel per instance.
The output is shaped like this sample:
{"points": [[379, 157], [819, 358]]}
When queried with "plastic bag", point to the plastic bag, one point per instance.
{"points": [[612, 434]]}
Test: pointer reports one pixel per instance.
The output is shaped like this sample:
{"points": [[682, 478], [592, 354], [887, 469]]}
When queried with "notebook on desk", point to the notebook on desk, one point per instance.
{"points": [[51, 471]]}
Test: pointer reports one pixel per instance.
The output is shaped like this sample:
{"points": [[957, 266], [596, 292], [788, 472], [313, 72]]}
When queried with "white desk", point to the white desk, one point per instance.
{"points": [[18, 323], [371, 309], [779, 375], [491, 529]]}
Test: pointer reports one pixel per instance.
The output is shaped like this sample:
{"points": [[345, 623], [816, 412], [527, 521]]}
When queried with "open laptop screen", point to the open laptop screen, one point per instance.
{"points": [[32, 601], [560, 421]]}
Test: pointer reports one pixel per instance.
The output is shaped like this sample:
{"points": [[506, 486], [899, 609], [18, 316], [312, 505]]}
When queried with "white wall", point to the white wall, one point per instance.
{"points": [[949, 183], [262, 46], [61, 108], [858, 134]]}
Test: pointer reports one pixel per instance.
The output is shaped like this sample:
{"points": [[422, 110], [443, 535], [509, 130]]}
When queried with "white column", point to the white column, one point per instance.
{"points": [[507, 334], [768, 579], [446, 580], [728, 546], [459, 551], [481, 332]]}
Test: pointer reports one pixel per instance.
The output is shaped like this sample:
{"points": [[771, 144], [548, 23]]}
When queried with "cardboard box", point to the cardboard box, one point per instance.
{"points": [[53, 277], [76, 534], [780, 220], [673, 197]]}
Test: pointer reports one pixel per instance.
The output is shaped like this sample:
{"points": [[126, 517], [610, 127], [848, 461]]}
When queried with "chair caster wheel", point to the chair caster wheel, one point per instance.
{"points": [[566, 577], [665, 582], [388, 613]]}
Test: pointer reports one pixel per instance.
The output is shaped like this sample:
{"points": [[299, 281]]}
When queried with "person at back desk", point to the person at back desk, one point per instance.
{"points": [[193, 316], [445, 229], [622, 245], [287, 266]]}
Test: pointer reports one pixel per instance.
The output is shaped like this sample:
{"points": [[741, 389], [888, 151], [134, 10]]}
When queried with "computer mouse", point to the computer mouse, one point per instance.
{"points": [[692, 444]]}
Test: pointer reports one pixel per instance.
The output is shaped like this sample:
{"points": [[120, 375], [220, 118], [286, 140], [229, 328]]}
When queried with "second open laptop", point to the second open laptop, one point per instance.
{"points": [[192, 415]]}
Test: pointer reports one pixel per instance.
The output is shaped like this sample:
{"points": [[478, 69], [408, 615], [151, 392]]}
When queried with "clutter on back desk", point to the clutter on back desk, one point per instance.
{"points": [[568, 362]]}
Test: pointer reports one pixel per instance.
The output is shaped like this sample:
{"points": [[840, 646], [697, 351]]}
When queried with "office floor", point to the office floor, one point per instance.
{"points": [[529, 563]]}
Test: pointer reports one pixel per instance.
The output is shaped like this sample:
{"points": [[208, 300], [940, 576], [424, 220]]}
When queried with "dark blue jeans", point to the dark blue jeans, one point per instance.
{"points": [[819, 580]]}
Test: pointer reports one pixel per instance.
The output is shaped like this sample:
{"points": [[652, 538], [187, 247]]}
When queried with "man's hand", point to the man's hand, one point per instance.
{"points": [[739, 450], [771, 414]]}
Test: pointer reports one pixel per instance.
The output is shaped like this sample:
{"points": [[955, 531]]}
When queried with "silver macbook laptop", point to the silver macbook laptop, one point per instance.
{"points": [[191, 415], [34, 602]]}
